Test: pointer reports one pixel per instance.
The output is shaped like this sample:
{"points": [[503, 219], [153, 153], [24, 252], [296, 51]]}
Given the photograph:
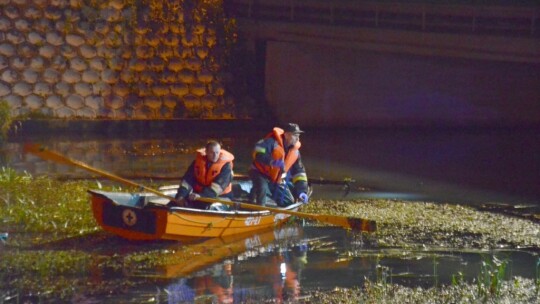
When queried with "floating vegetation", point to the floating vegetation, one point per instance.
{"points": [[421, 224], [518, 290], [52, 250]]}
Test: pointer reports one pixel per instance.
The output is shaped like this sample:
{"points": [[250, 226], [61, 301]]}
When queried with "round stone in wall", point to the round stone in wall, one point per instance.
{"points": [[42, 89], [54, 38], [74, 40], [22, 25], [160, 90], [47, 51], [30, 76], [65, 112], [5, 24], [3, 62], [22, 89], [88, 51], [114, 102], [191, 101], [18, 63], [179, 89], [186, 76], [205, 76], [53, 102], [43, 25], [116, 64], [102, 88], [13, 101], [170, 101], [33, 101], [32, 13], [121, 89], [9, 76], [41, 3], [7, 49], [83, 89], [53, 13], [27, 50], [105, 52], [137, 65], [37, 63], [101, 27], [153, 102], [90, 76], [4, 89], [97, 64], [11, 12], [86, 113], [168, 77], [51, 76], [59, 63], [198, 89], [62, 88], [35, 38], [68, 51], [127, 76], [75, 101], [71, 76], [109, 76], [94, 101], [60, 3], [78, 64]]}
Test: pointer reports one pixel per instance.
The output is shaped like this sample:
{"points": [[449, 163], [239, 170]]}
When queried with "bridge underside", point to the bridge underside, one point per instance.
{"points": [[320, 74]]}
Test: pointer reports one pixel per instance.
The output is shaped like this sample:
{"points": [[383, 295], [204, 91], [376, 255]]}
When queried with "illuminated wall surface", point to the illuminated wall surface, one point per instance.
{"points": [[118, 59]]}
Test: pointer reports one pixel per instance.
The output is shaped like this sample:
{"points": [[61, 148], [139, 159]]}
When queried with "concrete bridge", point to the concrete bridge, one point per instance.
{"points": [[361, 63]]}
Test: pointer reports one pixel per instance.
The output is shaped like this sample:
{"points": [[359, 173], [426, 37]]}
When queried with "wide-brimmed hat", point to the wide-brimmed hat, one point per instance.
{"points": [[292, 128]]}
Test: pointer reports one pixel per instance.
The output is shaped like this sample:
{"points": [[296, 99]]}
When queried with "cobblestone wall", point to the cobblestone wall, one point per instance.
{"points": [[119, 59]]}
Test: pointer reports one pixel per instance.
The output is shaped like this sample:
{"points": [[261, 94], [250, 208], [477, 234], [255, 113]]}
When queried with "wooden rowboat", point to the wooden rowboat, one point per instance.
{"points": [[145, 216]]}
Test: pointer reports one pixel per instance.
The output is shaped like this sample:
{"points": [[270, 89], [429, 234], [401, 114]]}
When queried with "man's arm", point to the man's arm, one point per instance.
{"points": [[263, 150], [299, 177], [186, 185]]}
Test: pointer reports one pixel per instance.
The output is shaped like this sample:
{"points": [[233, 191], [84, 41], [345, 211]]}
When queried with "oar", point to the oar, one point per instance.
{"points": [[357, 224]]}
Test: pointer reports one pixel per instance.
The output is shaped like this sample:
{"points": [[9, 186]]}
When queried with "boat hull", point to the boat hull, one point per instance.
{"points": [[149, 222]]}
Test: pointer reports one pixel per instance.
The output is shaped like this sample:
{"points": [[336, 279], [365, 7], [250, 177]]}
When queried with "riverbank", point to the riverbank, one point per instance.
{"points": [[54, 250]]}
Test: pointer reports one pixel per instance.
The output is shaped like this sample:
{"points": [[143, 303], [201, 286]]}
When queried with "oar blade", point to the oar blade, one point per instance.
{"points": [[352, 223], [42, 152]]}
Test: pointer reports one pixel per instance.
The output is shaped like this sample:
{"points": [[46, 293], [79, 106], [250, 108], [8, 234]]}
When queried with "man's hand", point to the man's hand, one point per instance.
{"points": [[304, 197], [193, 196], [179, 202], [278, 163]]}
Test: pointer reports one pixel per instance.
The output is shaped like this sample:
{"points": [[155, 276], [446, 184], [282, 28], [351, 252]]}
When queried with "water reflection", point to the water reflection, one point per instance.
{"points": [[474, 165]]}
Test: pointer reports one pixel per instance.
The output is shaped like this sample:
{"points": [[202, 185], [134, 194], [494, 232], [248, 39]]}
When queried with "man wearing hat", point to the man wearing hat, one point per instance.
{"points": [[277, 168]]}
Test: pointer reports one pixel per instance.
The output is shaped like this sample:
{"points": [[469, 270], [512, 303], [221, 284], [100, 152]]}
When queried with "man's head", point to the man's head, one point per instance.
{"points": [[292, 134], [213, 148]]}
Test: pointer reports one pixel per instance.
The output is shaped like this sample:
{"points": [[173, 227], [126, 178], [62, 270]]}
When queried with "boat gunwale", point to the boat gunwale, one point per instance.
{"points": [[178, 209]]}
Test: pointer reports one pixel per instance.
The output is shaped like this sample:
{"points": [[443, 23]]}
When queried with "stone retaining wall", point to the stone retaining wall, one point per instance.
{"points": [[114, 59]]}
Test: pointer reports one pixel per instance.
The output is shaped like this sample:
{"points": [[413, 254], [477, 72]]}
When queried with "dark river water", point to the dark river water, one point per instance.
{"points": [[461, 165], [465, 166]]}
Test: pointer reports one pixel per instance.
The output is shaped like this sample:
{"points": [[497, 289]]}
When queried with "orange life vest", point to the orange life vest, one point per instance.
{"points": [[274, 173], [204, 176]]}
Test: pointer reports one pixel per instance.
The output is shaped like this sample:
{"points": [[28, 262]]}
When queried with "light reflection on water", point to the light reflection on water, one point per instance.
{"points": [[464, 167], [287, 263], [450, 165]]}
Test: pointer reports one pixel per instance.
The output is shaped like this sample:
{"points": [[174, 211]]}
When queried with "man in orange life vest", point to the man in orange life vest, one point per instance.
{"points": [[209, 175], [277, 167]]}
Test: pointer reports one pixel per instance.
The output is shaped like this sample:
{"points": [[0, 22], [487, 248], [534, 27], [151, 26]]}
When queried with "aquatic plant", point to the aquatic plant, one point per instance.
{"points": [[5, 120], [492, 273], [44, 205]]}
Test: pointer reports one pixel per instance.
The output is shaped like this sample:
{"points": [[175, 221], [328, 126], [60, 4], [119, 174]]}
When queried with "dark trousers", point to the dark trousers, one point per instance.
{"points": [[263, 188]]}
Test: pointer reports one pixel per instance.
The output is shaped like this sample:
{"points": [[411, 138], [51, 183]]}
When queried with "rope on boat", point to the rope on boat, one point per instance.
{"points": [[208, 224]]}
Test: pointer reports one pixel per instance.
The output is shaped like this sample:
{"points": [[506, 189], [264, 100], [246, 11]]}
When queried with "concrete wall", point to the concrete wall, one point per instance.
{"points": [[323, 85], [118, 59]]}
